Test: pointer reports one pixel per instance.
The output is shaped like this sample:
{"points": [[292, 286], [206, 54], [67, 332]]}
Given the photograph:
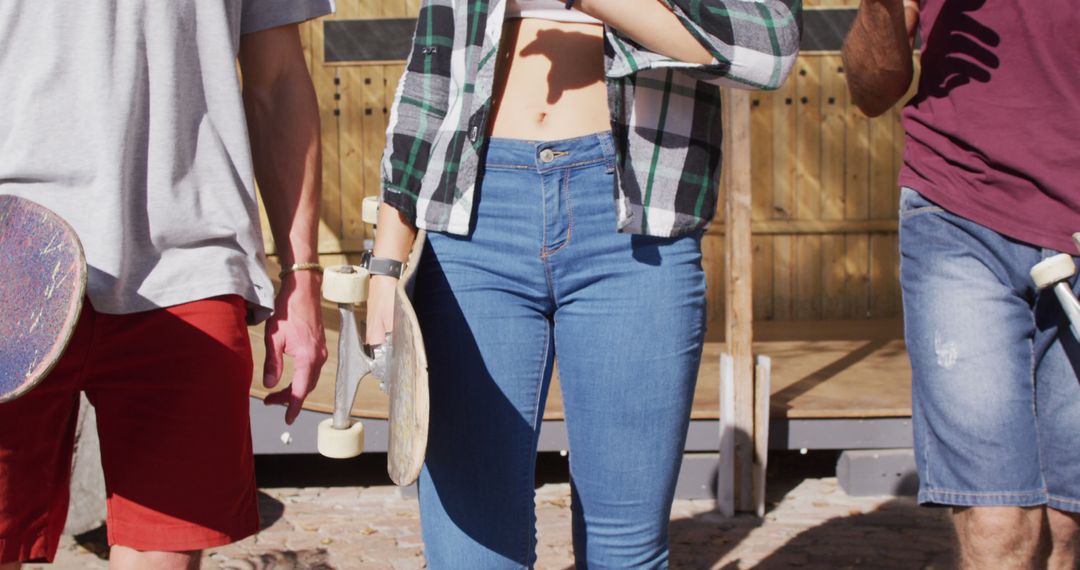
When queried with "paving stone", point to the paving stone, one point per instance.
{"points": [[814, 525]]}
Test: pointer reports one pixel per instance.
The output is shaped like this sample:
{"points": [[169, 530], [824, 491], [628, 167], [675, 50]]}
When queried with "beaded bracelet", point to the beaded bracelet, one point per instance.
{"points": [[309, 266]]}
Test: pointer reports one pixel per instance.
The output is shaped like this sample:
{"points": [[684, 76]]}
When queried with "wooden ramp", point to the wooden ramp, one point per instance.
{"points": [[821, 369]]}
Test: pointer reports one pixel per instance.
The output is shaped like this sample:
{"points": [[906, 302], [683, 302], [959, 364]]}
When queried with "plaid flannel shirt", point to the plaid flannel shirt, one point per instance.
{"points": [[665, 114]]}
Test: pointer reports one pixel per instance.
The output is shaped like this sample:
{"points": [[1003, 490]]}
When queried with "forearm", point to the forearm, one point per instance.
{"points": [[877, 56], [283, 120], [651, 24], [394, 236]]}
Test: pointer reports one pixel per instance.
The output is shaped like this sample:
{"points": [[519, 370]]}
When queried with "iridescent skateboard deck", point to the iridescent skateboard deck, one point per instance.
{"points": [[41, 293]]}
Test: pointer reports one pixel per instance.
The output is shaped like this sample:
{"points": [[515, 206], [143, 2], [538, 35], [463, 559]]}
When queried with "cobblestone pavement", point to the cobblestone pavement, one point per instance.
{"points": [[811, 524]]}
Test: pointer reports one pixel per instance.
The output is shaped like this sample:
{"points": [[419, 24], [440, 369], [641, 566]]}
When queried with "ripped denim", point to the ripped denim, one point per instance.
{"points": [[995, 396]]}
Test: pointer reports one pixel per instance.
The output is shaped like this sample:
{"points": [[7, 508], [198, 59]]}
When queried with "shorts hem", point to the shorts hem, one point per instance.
{"points": [[1063, 504], [176, 538], [25, 549], [932, 497]]}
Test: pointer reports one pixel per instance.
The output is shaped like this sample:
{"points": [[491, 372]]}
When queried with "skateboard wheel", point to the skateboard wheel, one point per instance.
{"points": [[1053, 269], [369, 210], [345, 284], [340, 443]]}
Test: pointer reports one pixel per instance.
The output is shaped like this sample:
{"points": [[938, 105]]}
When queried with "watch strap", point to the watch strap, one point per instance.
{"points": [[385, 266]]}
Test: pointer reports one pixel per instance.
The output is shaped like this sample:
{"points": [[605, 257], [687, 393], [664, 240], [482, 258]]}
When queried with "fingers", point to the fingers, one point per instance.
{"points": [[380, 309], [308, 360], [275, 349], [305, 378]]}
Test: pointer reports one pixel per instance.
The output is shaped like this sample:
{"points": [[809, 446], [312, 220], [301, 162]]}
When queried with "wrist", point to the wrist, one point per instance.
{"points": [[304, 272], [382, 266]]}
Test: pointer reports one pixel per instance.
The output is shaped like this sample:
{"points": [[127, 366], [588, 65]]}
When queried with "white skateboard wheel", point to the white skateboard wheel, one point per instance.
{"points": [[1053, 269], [369, 210], [345, 284], [340, 443]]}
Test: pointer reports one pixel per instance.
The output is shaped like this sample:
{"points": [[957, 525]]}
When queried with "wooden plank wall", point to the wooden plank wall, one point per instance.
{"points": [[824, 180]]}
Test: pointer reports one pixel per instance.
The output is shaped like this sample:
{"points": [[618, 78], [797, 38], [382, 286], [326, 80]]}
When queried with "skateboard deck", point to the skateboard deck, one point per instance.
{"points": [[400, 364], [41, 293], [407, 380]]}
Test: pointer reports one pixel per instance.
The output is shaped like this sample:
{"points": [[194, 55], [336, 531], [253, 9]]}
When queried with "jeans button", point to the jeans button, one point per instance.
{"points": [[547, 155]]}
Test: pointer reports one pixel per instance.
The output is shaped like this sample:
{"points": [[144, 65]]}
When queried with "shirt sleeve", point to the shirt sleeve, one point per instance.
{"points": [[754, 43], [261, 15]]}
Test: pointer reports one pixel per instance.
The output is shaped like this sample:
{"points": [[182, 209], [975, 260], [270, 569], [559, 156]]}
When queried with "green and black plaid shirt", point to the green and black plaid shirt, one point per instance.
{"points": [[665, 114]]}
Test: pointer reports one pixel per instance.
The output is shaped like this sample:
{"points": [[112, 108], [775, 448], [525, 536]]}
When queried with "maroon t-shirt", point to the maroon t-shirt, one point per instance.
{"points": [[993, 134]]}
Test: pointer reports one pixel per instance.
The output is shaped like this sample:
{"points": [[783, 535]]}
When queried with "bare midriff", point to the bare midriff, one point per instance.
{"points": [[550, 81]]}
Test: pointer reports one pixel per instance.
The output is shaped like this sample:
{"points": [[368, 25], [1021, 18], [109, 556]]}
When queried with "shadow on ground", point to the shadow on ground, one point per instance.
{"points": [[897, 534], [96, 541]]}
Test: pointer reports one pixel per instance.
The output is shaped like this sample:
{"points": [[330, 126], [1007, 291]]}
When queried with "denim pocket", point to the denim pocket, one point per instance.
{"points": [[912, 204]]}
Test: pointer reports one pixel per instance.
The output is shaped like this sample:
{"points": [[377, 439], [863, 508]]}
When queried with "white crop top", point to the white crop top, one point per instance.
{"points": [[546, 10]]}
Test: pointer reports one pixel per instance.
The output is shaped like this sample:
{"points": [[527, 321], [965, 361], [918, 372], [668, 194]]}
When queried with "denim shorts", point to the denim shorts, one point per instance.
{"points": [[995, 396]]}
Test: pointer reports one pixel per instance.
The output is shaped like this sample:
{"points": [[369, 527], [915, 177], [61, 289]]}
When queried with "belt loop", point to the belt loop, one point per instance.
{"points": [[607, 145]]}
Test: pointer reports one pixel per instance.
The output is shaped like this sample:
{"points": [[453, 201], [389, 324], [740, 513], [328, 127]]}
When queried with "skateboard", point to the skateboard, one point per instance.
{"points": [[41, 293], [399, 363], [1055, 272]]}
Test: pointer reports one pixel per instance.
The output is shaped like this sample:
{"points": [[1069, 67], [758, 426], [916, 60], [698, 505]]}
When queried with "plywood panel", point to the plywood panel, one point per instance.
{"points": [[833, 139], [808, 158], [761, 152], [818, 166], [823, 369], [783, 131]]}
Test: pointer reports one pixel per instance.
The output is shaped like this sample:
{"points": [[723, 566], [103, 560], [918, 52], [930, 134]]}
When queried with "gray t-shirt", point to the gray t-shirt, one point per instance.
{"points": [[125, 117]]}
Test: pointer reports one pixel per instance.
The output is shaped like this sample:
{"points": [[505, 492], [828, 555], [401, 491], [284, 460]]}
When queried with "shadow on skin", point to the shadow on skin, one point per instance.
{"points": [[958, 50], [556, 45]]}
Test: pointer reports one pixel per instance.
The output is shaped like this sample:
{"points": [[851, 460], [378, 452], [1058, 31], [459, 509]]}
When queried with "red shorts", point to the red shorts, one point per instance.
{"points": [[170, 388]]}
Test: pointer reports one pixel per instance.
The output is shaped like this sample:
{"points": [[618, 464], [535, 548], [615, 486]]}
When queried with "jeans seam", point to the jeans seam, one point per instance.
{"points": [[565, 186], [543, 216], [530, 457], [1061, 499], [905, 214], [1035, 403], [940, 491]]}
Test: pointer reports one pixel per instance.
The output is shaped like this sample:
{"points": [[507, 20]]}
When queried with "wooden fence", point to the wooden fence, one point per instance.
{"points": [[824, 175]]}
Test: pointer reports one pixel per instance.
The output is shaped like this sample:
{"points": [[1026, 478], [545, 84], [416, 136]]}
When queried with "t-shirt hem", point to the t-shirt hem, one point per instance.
{"points": [[260, 306], [964, 209]]}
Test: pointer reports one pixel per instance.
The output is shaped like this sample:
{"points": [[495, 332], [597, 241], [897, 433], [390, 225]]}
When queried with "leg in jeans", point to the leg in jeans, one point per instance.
{"points": [[982, 359], [628, 338], [483, 305]]}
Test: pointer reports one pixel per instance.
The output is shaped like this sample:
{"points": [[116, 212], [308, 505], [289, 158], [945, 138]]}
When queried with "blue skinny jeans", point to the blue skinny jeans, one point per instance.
{"points": [[545, 275]]}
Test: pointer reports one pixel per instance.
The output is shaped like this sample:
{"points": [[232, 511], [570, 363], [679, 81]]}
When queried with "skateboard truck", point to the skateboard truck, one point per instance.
{"points": [[1054, 272], [340, 436]]}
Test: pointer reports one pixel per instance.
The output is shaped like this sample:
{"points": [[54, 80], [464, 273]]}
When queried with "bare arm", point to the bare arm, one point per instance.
{"points": [[283, 123], [877, 54], [748, 44], [393, 239], [651, 24]]}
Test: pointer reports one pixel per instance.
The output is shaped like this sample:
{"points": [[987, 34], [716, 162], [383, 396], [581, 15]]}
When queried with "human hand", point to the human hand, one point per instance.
{"points": [[380, 309], [295, 329]]}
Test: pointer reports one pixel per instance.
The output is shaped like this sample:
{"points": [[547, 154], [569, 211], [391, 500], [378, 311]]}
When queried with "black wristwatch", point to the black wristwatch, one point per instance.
{"points": [[569, 4], [381, 265]]}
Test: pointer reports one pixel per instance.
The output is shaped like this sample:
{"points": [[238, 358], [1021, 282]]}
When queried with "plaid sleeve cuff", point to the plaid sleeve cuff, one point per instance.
{"points": [[400, 200], [754, 42]]}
